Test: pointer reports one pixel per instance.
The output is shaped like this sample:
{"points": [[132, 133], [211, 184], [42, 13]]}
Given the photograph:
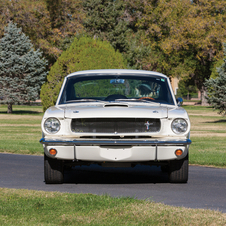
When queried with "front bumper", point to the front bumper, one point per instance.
{"points": [[116, 150], [93, 142]]}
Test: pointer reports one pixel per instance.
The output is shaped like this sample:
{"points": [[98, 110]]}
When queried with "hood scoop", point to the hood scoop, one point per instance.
{"points": [[116, 105]]}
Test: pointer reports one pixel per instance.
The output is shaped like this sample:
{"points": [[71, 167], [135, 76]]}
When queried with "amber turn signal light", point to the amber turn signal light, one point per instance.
{"points": [[52, 151], [178, 152]]}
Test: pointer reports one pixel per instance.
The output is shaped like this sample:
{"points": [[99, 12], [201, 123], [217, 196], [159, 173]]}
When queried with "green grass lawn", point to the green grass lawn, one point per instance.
{"points": [[21, 131], [208, 135], [24, 207]]}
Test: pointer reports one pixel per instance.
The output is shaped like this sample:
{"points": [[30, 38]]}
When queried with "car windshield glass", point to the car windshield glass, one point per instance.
{"points": [[116, 88]]}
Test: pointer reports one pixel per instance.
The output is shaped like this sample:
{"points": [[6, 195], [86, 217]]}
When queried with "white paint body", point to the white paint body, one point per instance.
{"points": [[155, 146]]}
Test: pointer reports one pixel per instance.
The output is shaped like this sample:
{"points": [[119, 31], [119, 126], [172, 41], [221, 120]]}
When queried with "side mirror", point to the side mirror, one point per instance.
{"points": [[179, 101]]}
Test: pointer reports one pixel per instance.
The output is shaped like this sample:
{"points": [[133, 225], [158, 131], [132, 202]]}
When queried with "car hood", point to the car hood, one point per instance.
{"points": [[92, 110], [116, 111]]}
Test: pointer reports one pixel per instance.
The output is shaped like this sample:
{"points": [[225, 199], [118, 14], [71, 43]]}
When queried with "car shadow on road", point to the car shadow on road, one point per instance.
{"points": [[100, 175]]}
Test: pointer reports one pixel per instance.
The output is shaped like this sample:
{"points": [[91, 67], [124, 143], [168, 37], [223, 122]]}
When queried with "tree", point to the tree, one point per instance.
{"points": [[217, 64], [216, 89], [115, 21], [84, 54], [22, 69], [105, 20], [185, 36], [186, 88], [48, 23]]}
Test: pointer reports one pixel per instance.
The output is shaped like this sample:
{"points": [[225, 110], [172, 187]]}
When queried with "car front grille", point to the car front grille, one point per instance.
{"points": [[115, 125]]}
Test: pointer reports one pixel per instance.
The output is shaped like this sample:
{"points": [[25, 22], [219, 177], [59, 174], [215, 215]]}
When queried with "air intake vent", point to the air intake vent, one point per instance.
{"points": [[116, 105]]}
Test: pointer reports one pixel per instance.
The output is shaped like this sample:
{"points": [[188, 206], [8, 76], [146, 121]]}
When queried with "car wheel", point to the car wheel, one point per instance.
{"points": [[178, 170], [53, 170]]}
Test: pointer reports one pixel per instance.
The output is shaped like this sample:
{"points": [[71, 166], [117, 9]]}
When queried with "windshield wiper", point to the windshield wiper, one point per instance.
{"points": [[95, 100], [139, 100], [84, 100]]}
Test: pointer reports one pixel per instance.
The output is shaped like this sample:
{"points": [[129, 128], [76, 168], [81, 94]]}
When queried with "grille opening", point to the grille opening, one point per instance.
{"points": [[115, 125]]}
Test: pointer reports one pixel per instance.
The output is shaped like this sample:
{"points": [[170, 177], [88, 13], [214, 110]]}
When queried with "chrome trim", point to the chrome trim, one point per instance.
{"points": [[115, 142], [156, 152]]}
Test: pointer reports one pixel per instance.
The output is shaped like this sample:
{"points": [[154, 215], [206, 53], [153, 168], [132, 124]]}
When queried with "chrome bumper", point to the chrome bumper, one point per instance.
{"points": [[115, 142]]}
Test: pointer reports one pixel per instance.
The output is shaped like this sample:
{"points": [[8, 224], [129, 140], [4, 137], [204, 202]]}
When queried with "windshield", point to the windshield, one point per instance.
{"points": [[116, 88]]}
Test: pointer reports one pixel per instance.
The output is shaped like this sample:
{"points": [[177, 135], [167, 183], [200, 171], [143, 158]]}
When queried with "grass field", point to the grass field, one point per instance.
{"points": [[20, 133], [24, 207], [208, 135]]}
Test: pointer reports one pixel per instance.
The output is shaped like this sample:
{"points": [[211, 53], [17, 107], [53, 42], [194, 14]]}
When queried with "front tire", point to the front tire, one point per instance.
{"points": [[53, 170], [178, 170]]}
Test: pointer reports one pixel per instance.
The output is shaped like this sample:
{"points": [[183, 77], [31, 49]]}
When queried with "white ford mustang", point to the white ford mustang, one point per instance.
{"points": [[116, 118]]}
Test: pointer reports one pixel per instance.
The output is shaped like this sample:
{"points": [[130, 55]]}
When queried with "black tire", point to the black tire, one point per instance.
{"points": [[53, 171], [165, 168], [178, 170]]}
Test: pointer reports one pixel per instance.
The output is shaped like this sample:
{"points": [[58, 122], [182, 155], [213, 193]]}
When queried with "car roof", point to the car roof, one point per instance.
{"points": [[116, 71]]}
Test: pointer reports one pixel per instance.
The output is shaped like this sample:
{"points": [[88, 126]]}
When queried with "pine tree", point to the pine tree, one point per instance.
{"points": [[84, 54], [22, 69], [216, 89]]}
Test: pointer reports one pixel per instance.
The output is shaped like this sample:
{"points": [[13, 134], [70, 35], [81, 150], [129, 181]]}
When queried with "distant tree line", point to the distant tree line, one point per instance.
{"points": [[180, 38]]}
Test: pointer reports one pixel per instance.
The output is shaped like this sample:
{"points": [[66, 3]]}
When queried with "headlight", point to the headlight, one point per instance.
{"points": [[52, 125], [179, 125]]}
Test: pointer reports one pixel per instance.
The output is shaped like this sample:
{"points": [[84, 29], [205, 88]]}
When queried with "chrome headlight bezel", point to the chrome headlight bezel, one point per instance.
{"points": [[52, 125], [179, 126]]}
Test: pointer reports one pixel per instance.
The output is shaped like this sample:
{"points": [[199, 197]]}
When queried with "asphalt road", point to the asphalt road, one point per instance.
{"points": [[206, 187]]}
